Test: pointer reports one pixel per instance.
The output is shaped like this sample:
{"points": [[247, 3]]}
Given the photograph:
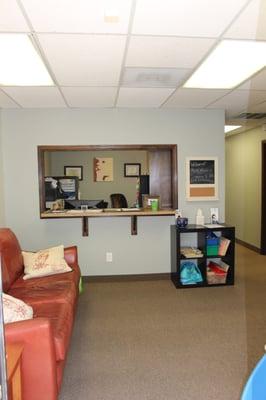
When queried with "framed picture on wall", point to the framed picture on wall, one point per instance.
{"points": [[103, 169], [74, 170], [132, 170], [202, 178]]}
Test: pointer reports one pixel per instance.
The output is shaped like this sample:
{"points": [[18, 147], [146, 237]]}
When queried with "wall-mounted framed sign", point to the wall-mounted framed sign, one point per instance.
{"points": [[132, 170], [202, 178], [74, 170]]}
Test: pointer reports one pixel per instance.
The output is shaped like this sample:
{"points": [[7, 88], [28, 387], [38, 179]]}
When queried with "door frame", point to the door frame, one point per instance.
{"points": [[263, 198]]}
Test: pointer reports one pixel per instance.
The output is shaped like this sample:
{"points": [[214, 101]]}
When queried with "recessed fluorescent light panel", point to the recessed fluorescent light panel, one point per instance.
{"points": [[111, 15], [20, 64], [229, 128], [229, 64]]}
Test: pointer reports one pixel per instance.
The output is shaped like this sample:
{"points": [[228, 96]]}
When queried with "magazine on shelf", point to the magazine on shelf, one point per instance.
{"points": [[223, 246], [191, 252]]}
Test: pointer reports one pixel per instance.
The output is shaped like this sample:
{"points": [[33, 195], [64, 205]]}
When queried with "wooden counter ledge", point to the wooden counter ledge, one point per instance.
{"points": [[96, 213]]}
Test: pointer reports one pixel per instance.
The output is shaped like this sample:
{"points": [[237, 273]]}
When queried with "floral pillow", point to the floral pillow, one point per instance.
{"points": [[15, 309], [44, 262]]}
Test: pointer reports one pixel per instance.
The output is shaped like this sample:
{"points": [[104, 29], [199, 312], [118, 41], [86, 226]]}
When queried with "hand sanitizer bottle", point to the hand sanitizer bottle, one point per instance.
{"points": [[199, 217]]}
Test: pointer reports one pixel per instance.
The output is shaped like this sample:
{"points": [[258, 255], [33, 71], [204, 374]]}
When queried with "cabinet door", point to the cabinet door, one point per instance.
{"points": [[160, 164]]}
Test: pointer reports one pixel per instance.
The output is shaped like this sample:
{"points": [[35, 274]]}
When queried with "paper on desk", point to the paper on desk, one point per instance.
{"points": [[131, 209]]}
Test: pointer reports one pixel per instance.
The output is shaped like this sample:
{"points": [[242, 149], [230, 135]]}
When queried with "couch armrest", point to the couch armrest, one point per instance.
{"points": [[38, 358], [71, 255]]}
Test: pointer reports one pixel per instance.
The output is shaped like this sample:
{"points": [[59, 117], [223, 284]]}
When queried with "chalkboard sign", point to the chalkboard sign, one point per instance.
{"points": [[202, 178], [202, 172]]}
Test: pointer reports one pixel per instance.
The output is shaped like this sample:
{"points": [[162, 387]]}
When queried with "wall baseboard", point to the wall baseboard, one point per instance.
{"points": [[126, 278], [248, 246]]}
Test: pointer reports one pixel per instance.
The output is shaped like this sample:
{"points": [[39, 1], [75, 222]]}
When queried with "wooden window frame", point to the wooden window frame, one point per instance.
{"points": [[146, 147]]}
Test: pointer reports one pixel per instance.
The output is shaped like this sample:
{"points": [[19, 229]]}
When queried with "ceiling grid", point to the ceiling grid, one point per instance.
{"points": [[133, 53]]}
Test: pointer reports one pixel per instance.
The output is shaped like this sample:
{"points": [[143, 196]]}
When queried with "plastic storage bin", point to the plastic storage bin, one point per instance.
{"points": [[212, 239], [212, 250], [217, 273]]}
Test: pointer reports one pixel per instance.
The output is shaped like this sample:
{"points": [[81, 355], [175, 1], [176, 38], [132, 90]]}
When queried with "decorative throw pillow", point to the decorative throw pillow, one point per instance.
{"points": [[44, 262], [15, 309]]}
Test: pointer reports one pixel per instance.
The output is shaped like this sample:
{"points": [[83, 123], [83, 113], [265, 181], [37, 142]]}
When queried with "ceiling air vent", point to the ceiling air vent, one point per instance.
{"points": [[153, 77], [251, 116]]}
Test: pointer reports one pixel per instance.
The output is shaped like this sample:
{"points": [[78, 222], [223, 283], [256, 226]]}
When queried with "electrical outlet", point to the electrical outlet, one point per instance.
{"points": [[109, 257]]}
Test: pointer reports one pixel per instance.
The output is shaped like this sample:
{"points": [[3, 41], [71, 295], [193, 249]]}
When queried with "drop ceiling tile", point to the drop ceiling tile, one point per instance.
{"points": [[84, 60], [90, 96], [6, 102], [256, 83], [145, 51], [203, 18], [154, 77], [245, 86], [140, 97], [256, 96], [36, 96], [239, 101], [233, 103], [11, 17], [251, 22], [194, 98], [80, 16], [259, 108]]}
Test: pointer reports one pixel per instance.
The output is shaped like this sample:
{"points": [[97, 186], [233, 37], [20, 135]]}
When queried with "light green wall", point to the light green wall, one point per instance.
{"points": [[243, 184], [47, 163], [196, 133], [91, 190], [2, 203]]}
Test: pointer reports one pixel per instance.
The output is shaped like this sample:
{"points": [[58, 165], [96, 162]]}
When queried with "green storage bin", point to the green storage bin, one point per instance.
{"points": [[212, 250]]}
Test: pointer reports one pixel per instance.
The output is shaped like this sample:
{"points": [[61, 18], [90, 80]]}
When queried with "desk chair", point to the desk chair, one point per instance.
{"points": [[118, 200], [255, 388]]}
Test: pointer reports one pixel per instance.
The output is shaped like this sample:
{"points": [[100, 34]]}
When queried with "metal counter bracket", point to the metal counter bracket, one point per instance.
{"points": [[134, 225], [85, 226]]}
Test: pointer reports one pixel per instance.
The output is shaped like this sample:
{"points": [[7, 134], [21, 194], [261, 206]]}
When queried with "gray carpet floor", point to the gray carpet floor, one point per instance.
{"points": [[145, 340]]}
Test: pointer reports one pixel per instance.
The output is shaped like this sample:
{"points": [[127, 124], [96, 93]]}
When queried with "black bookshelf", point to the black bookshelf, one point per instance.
{"points": [[197, 234]]}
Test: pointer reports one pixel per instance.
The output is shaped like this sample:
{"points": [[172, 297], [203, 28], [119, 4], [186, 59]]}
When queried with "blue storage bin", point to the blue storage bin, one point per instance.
{"points": [[212, 239]]}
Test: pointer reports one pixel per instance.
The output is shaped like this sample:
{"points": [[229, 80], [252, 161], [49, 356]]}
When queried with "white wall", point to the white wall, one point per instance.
{"points": [[2, 208], [196, 132]]}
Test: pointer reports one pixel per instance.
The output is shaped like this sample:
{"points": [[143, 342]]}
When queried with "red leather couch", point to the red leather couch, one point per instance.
{"points": [[46, 337]]}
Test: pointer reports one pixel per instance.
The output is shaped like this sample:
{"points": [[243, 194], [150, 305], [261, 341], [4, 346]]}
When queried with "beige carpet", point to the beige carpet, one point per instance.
{"points": [[145, 340]]}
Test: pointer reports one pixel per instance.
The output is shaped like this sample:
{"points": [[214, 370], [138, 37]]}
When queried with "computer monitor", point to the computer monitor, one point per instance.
{"points": [[76, 204], [60, 187]]}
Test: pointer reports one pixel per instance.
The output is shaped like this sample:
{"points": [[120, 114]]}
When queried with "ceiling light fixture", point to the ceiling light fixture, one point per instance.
{"points": [[229, 64], [229, 128], [21, 65]]}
